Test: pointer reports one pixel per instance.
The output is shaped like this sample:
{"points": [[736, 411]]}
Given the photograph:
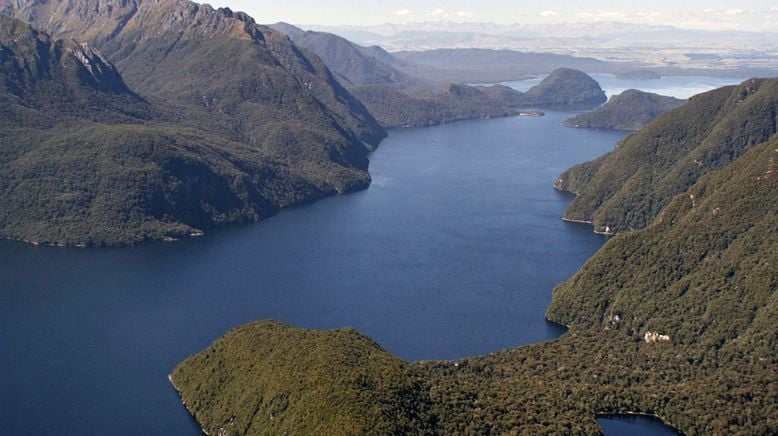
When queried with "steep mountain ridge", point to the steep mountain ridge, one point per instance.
{"points": [[625, 189], [90, 86], [175, 48], [85, 160], [353, 65], [234, 121]]}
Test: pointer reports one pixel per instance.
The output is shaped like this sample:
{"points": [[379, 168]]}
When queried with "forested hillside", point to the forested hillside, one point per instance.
{"points": [[630, 110], [627, 188], [221, 120]]}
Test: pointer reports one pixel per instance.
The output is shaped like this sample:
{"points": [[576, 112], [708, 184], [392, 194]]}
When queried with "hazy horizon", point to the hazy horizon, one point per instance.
{"points": [[755, 15]]}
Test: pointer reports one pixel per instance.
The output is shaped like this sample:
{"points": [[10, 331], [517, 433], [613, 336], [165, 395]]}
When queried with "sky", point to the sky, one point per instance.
{"points": [[758, 15]]}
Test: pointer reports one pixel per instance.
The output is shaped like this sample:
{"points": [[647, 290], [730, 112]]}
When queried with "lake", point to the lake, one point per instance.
{"points": [[452, 252], [634, 425]]}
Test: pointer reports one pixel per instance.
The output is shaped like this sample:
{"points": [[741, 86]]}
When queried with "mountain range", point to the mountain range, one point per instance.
{"points": [[406, 90], [666, 49], [284, 123], [153, 147]]}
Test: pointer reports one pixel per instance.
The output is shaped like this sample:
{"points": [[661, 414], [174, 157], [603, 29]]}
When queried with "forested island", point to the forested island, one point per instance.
{"points": [[630, 110]]}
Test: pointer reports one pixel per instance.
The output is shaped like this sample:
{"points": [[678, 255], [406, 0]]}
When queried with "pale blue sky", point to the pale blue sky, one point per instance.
{"points": [[710, 14]]}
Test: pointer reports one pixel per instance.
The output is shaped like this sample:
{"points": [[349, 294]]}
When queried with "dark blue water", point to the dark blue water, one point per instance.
{"points": [[632, 425], [452, 252]]}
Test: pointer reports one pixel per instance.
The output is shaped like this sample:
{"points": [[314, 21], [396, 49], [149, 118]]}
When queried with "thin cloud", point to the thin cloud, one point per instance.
{"points": [[437, 13], [464, 14], [548, 13], [403, 12], [602, 15]]}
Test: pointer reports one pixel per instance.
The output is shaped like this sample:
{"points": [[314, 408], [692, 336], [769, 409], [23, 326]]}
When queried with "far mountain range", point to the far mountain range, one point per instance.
{"points": [[673, 49]]}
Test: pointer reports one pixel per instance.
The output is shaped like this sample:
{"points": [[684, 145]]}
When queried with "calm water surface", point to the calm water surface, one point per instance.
{"points": [[452, 252], [630, 425]]}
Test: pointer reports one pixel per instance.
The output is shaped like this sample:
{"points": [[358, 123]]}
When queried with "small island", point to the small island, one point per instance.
{"points": [[630, 110], [639, 75]]}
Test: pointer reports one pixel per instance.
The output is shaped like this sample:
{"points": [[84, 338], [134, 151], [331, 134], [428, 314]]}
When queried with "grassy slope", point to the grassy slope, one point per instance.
{"points": [[702, 273]]}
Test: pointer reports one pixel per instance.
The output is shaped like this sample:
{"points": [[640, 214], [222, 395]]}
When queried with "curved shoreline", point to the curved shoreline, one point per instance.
{"points": [[661, 419]]}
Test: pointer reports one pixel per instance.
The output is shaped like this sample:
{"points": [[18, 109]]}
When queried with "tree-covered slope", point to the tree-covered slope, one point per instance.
{"points": [[625, 189], [563, 89], [232, 122], [395, 108], [84, 160], [630, 110], [676, 320], [268, 378], [567, 88], [273, 94], [702, 273]]}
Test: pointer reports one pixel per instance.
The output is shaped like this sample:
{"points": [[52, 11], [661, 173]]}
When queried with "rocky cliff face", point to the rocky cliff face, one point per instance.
{"points": [[65, 76], [224, 61]]}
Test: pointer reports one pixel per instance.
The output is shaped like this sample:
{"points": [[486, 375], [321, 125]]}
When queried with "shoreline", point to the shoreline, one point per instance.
{"points": [[195, 234], [181, 397], [43, 244], [568, 220], [661, 419], [591, 223]]}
